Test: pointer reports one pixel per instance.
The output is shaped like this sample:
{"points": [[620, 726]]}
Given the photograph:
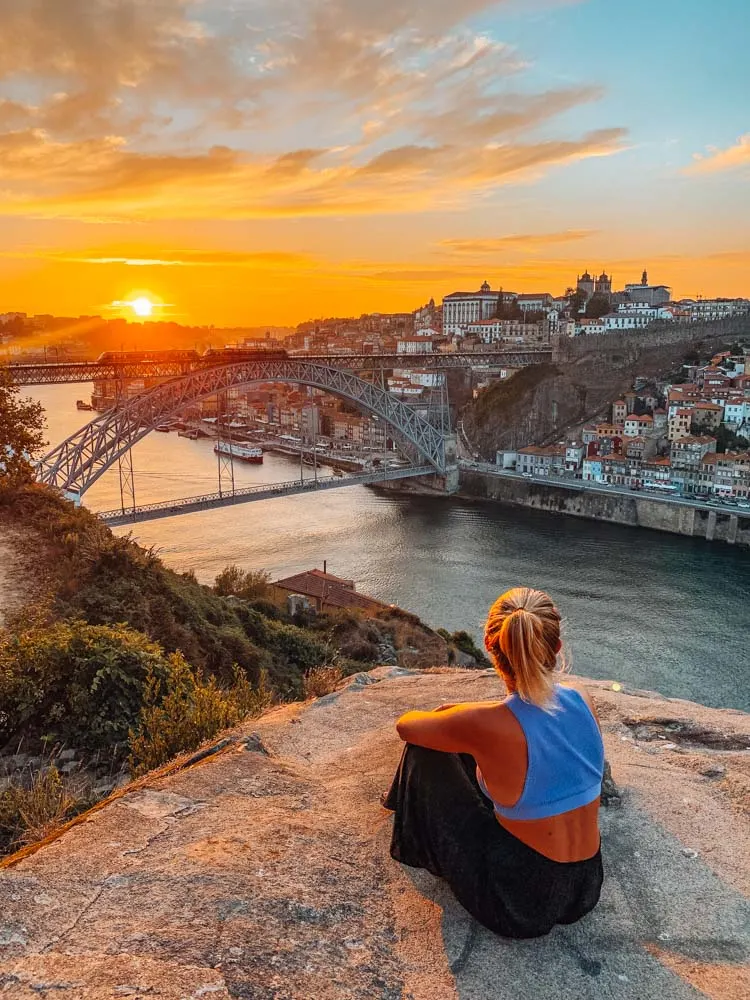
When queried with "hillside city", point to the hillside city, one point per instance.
{"points": [[684, 435]]}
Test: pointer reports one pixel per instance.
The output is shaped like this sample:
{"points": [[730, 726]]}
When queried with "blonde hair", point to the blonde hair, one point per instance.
{"points": [[522, 635]]}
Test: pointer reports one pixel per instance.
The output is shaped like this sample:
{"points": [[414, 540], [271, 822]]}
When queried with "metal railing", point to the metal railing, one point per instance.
{"points": [[210, 501]]}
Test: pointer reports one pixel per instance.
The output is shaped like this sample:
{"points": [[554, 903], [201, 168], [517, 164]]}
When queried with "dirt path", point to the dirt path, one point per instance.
{"points": [[264, 873], [13, 591]]}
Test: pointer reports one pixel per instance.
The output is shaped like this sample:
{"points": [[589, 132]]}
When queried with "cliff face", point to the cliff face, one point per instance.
{"points": [[538, 405], [263, 872]]}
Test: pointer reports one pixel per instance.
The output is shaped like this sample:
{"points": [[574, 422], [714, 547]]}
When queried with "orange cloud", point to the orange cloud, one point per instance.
{"points": [[190, 258], [718, 160], [102, 179], [527, 241]]}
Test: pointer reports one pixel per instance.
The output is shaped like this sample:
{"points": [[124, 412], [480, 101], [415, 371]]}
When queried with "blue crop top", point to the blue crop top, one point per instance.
{"points": [[565, 757]]}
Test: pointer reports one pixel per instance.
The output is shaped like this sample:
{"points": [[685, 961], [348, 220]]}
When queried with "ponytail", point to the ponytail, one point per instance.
{"points": [[522, 635]]}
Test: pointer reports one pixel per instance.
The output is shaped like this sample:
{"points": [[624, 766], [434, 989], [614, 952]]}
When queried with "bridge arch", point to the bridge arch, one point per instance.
{"points": [[76, 464]]}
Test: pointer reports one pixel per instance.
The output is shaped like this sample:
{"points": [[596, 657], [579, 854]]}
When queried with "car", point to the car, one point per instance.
{"points": [[743, 505], [527, 475]]}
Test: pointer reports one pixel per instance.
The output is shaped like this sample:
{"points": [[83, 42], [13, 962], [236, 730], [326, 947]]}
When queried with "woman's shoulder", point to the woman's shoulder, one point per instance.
{"points": [[580, 690]]}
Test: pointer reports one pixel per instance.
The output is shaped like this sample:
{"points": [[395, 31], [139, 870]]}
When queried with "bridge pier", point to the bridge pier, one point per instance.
{"points": [[734, 524], [711, 526]]}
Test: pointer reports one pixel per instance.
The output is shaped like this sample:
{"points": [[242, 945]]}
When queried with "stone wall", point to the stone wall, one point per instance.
{"points": [[625, 348], [636, 511]]}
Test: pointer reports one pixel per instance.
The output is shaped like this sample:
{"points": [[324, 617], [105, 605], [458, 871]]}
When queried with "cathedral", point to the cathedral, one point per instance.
{"points": [[595, 286]]}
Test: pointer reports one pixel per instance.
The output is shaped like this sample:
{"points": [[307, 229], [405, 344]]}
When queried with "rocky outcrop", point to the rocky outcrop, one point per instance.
{"points": [[539, 405], [262, 871]]}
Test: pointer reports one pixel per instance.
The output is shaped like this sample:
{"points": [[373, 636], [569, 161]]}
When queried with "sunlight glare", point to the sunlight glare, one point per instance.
{"points": [[142, 307]]}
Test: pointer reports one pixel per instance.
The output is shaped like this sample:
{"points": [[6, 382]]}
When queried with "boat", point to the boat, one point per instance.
{"points": [[163, 428], [189, 433], [254, 455], [81, 404]]}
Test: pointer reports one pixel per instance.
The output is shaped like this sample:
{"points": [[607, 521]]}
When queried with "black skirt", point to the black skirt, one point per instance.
{"points": [[445, 824]]}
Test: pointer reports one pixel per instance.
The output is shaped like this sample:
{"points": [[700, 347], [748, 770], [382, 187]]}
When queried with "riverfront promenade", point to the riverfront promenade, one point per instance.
{"points": [[576, 485]]}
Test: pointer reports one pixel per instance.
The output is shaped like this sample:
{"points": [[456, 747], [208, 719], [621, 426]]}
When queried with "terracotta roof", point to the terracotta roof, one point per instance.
{"points": [[331, 590], [694, 440]]}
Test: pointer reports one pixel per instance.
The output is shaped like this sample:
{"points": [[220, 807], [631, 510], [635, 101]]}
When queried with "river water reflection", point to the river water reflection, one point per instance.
{"points": [[649, 610]]}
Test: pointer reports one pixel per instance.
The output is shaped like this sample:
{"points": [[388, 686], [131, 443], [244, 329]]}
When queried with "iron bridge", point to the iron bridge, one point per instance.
{"points": [[76, 464], [89, 371], [189, 505]]}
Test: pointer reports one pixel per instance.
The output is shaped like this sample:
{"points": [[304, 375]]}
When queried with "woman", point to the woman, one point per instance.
{"points": [[501, 798]]}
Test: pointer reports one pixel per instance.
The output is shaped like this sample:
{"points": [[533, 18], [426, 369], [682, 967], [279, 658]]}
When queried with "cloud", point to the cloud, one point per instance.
{"points": [[194, 109], [194, 258], [100, 63], [525, 241], [97, 179], [718, 160]]}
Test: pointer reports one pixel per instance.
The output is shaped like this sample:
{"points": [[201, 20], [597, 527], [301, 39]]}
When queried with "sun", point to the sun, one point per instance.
{"points": [[142, 307]]}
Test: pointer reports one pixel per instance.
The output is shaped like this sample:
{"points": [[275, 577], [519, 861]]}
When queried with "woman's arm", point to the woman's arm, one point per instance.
{"points": [[450, 728]]}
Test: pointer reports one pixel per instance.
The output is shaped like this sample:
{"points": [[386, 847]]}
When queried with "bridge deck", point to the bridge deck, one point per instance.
{"points": [[88, 371], [190, 505]]}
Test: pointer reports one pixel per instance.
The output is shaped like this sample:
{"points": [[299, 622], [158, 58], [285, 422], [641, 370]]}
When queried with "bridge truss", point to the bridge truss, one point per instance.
{"points": [[76, 464], [88, 371]]}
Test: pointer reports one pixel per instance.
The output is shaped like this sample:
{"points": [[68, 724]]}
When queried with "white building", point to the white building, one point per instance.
{"points": [[711, 309], [584, 327], [534, 303], [508, 331], [462, 308], [431, 380], [736, 413], [626, 320], [652, 295], [422, 345]]}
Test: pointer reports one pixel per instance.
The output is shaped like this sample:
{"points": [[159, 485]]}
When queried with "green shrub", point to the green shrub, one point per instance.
{"points": [[359, 648], [250, 585], [465, 642], [75, 682], [185, 709]]}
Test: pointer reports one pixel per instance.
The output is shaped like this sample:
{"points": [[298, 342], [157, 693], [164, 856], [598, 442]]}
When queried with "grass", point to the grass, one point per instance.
{"points": [[30, 812], [320, 681]]}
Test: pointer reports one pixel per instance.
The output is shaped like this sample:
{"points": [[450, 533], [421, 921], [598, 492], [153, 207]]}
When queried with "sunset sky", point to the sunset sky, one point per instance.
{"points": [[244, 162]]}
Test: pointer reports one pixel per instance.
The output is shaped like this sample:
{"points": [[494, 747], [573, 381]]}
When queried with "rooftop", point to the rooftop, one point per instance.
{"points": [[330, 590]]}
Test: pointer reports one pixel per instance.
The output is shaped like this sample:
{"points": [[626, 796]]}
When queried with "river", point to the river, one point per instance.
{"points": [[648, 610]]}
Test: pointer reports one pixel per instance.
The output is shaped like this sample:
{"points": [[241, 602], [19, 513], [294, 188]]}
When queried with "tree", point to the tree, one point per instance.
{"points": [[22, 426], [597, 306], [576, 300], [250, 585], [507, 307]]}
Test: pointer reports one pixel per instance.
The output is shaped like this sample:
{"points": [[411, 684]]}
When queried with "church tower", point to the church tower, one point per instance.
{"points": [[604, 285], [586, 284], [644, 279]]}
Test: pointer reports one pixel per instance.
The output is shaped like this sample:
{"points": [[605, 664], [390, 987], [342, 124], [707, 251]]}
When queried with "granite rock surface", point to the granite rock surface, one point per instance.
{"points": [[262, 872]]}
